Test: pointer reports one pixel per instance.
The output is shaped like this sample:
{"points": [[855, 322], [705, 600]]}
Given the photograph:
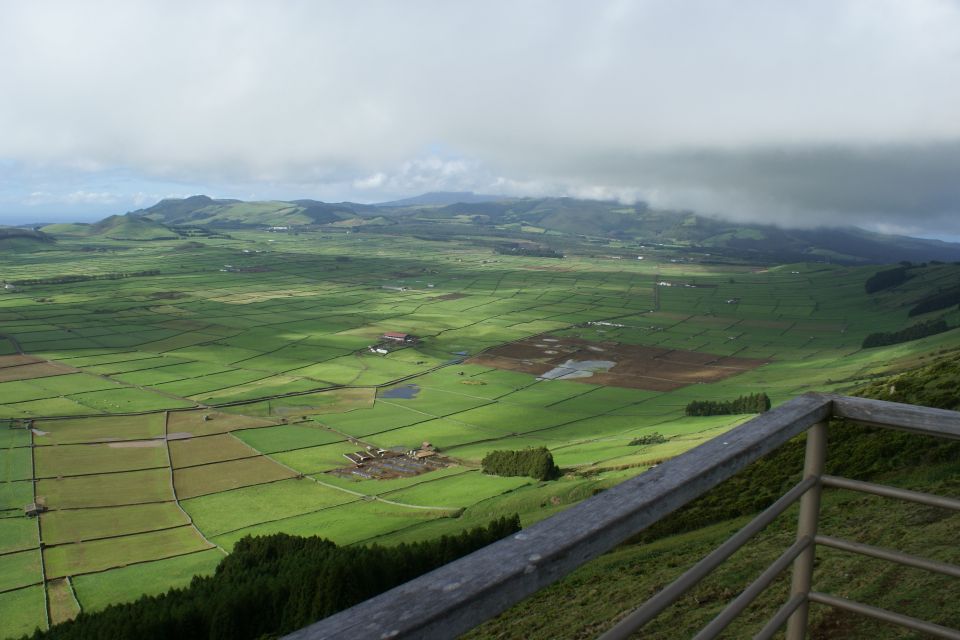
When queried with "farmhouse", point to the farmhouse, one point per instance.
{"points": [[402, 338]]}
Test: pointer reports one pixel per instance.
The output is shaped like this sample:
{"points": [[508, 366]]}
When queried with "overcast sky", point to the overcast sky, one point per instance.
{"points": [[794, 113]]}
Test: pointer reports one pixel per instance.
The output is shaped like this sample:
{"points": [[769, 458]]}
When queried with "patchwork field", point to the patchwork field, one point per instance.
{"points": [[158, 419]]}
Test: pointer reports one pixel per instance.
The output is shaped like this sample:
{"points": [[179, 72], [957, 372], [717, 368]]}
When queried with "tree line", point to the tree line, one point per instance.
{"points": [[751, 403], [537, 463], [936, 301], [102, 276], [915, 332], [272, 585], [887, 278]]}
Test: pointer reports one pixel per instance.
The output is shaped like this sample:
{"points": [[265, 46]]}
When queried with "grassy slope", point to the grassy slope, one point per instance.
{"points": [[588, 601]]}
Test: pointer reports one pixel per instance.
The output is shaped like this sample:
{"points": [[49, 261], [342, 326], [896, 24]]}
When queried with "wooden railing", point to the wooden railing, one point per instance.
{"points": [[458, 596]]}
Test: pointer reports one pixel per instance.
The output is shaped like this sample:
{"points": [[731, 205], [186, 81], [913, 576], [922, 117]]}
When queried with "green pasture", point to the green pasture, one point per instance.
{"points": [[98, 429], [15, 464], [76, 525], [208, 422], [22, 611], [10, 437], [17, 533], [222, 476], [96, 555], [195, 451], [288, 437], [14, 496], [80, 459], [19, 569], [317, 459], [457, 491], [345, 524], [219, 513], [97, 591], [159, 346], [105, 490]]}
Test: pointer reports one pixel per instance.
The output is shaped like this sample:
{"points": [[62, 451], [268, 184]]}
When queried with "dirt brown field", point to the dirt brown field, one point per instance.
{"points": [[635, 366], [17, 360], [33, 370]]}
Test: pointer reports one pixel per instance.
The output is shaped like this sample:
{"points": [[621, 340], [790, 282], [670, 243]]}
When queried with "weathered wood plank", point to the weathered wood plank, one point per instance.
{"points": [[904, 417], [460, 595]]}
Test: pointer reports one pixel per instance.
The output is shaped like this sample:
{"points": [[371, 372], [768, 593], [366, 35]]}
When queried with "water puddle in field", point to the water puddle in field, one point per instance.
{"points": [[578, 369], [403, 392]]}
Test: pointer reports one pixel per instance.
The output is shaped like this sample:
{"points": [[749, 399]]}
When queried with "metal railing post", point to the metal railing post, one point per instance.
{"points": [[807, 527]]}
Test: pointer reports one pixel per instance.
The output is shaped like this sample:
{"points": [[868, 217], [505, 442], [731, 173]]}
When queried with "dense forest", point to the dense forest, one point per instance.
{"points": [[751, 403], [537, 463], [275, 584]]}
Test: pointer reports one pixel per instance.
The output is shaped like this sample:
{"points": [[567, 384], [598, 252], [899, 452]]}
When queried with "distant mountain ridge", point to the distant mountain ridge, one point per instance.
{"points": [[467, 213]]}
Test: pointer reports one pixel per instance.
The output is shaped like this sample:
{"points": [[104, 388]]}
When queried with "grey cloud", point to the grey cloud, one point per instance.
{"points": [[777, 110]]}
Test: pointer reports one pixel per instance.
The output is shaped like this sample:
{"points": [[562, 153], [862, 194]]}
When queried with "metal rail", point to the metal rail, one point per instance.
{"points": [[452, 599]]}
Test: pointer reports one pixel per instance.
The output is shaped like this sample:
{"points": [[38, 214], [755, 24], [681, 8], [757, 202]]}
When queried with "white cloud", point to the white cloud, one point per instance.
{"points": [[724, 106]]}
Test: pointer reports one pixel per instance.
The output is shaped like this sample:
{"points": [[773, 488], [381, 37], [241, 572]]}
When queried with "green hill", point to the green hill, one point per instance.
{"points": [[17, 239], [132, 228], [116, 228], [635, 225], [203, 210]]}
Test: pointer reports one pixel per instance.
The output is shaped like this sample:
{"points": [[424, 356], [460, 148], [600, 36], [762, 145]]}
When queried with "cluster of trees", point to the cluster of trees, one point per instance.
{"points": [[751, 403], [915, 332], [273, 585], [937, 301], [537, 463], [515, 249], [102, 276], [887, 278], [651, 438]]}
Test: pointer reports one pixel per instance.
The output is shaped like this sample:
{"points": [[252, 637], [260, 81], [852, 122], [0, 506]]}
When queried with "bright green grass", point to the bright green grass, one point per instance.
{"points": [[18, 533], [381, 417], [15, 496], [317, 459], [96, 591], [128, 399], [14, 437], [74, 525], [286, 437], [22, 611], [47, 407], [217, 513], [19, 569], [346, 524], [97, 555], [130, 487], [15, 464], [457, 491]]}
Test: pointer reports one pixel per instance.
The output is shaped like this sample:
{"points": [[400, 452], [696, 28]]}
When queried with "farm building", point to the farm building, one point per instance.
{"points": [[34, 509], [403, 338]]}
